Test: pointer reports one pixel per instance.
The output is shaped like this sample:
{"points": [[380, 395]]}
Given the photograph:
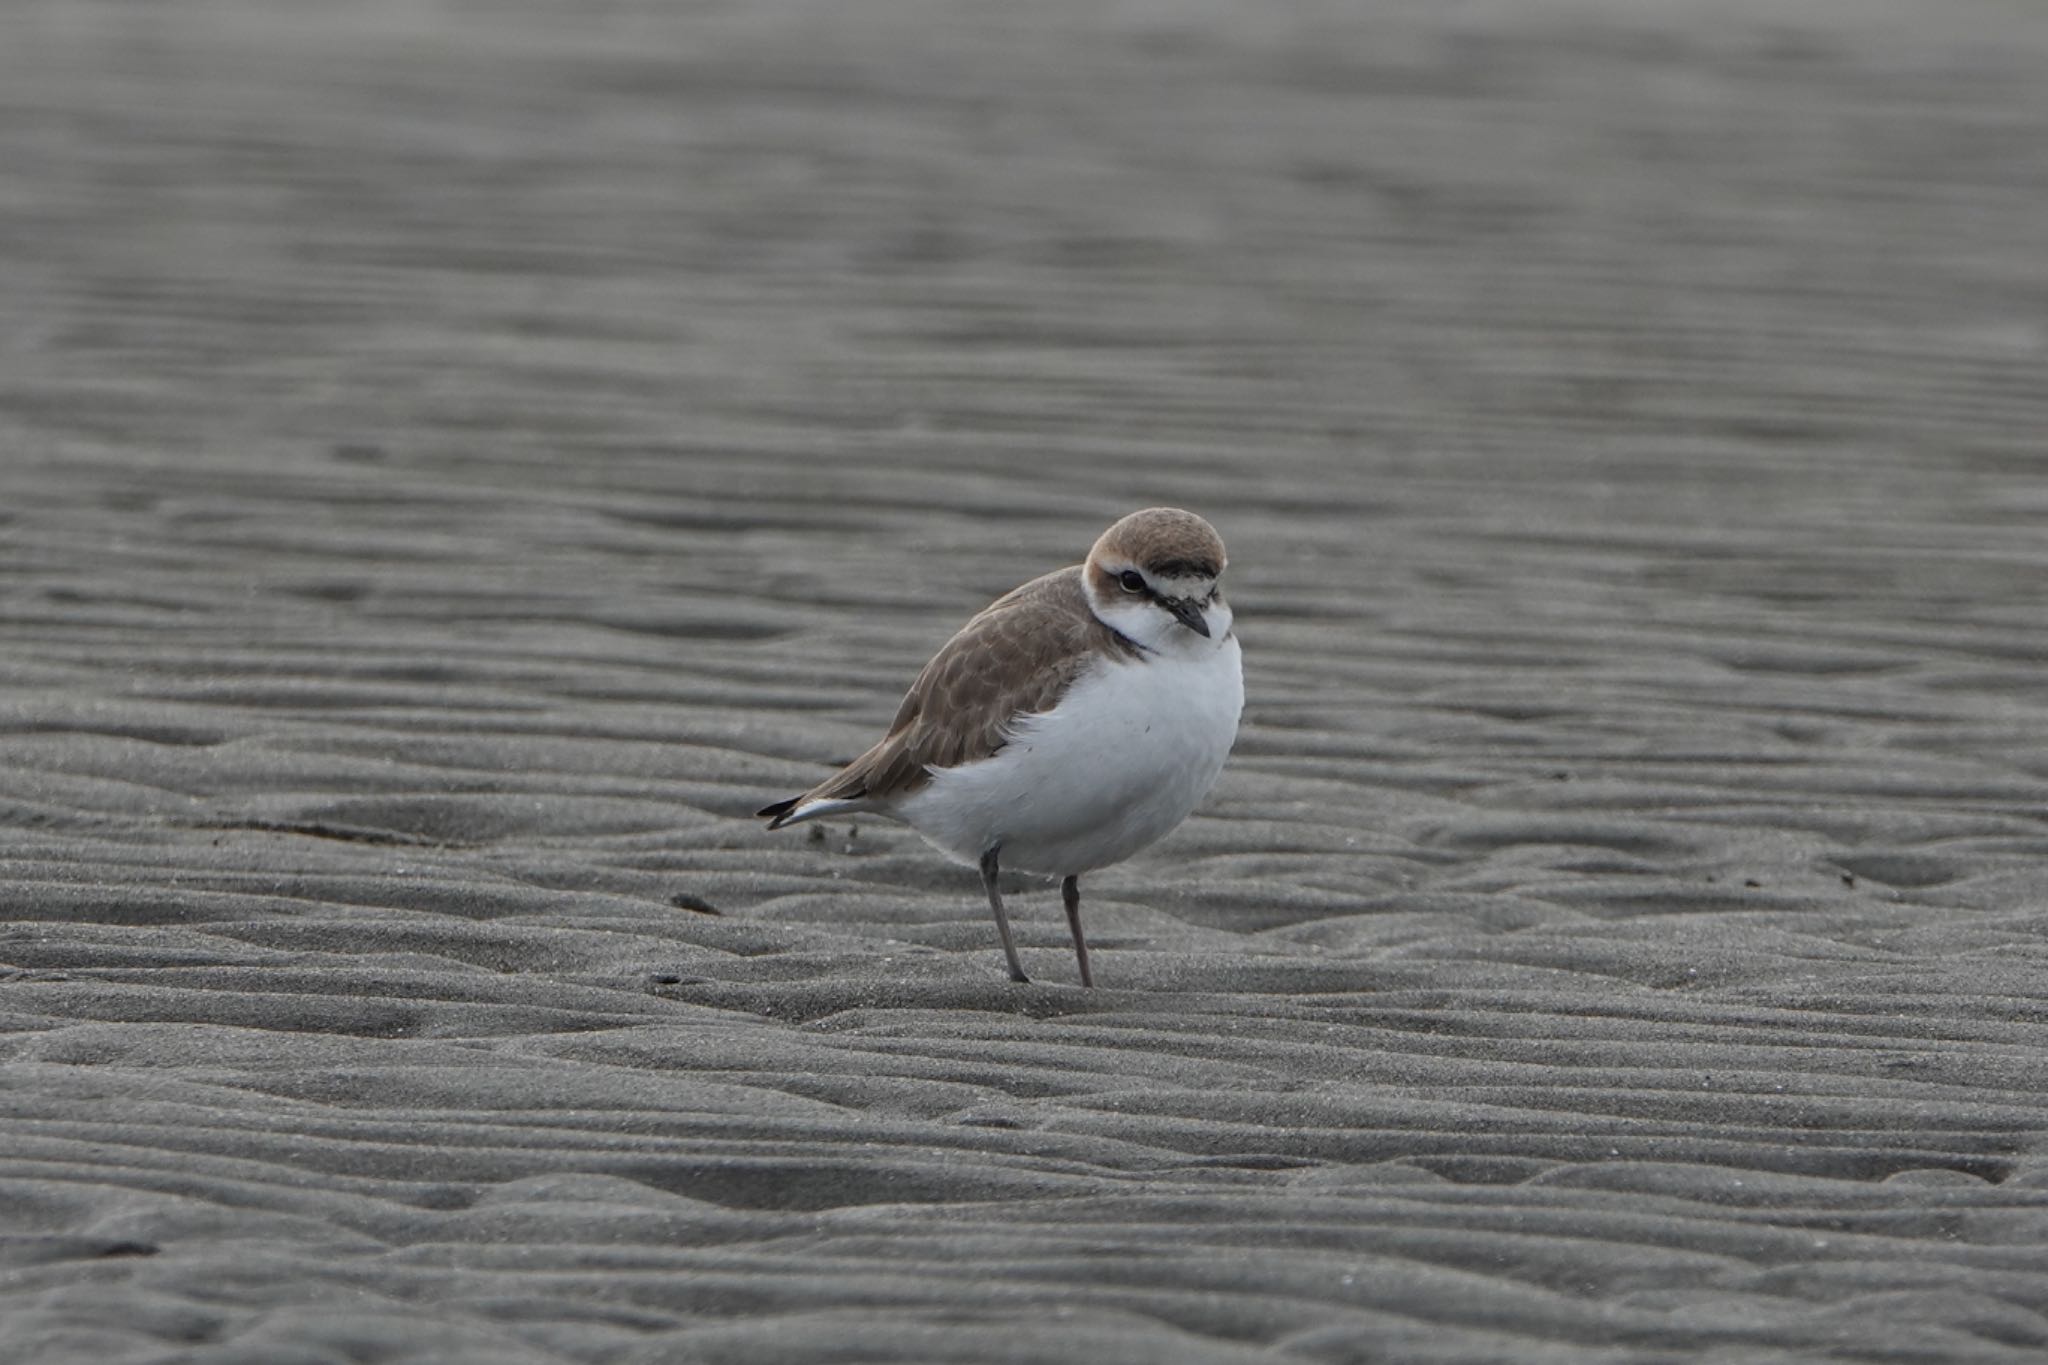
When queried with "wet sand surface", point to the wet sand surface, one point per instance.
{"points": [[457, 461]]}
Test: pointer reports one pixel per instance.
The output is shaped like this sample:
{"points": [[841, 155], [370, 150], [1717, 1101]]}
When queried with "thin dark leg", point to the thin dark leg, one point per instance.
{"points": [[995, 903], [1070, 892]]}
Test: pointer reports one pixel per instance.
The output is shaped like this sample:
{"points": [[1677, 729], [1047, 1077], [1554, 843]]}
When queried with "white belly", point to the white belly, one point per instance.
{"points": [[1126, 755]]}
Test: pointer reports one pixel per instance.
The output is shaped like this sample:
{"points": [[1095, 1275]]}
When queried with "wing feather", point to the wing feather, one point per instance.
{"points": [[1018, 657]]}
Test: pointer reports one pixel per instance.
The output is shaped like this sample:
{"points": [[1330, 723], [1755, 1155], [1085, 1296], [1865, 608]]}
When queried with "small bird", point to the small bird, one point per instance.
{"points": [[1076, 720]]}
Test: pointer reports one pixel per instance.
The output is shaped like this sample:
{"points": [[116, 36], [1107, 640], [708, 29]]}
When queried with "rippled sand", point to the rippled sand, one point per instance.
{"points": [[457, 461]]}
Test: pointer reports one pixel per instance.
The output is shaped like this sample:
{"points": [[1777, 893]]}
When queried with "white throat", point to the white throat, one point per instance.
{"points": [[1141, 621]]}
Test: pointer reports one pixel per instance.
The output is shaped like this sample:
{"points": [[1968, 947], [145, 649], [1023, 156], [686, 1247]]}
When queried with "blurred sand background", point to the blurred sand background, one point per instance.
{"points": [[457, 459]]}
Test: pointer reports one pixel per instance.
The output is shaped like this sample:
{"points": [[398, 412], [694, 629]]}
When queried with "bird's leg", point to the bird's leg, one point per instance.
{"points": [[1070, 892], [995, 903]]}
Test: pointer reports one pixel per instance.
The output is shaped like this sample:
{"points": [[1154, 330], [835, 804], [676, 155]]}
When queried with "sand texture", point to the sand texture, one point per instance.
{"points": [[458, 459]]}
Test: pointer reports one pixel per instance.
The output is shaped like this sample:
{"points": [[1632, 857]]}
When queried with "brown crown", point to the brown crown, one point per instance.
{"points": [[1164, 541]]}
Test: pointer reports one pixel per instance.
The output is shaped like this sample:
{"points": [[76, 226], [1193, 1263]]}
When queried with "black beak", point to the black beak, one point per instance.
{"points": [[1188, 612]]}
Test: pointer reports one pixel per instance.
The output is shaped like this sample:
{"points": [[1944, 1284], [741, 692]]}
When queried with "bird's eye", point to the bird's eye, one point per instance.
{"points": [[1132, 580]]}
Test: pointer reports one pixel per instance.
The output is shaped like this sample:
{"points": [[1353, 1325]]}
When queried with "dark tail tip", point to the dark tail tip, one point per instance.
{"points": [[775, 814]]}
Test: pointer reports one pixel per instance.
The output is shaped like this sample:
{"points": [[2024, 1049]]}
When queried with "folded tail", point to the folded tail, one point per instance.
{"points": [[798, 809]]}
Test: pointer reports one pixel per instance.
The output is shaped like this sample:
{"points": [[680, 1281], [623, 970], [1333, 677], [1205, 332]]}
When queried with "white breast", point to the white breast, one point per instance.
{"points": [[1129, 751]]}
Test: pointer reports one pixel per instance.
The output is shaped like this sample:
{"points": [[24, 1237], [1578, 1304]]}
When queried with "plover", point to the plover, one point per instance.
{"points": [[1075, 721]]}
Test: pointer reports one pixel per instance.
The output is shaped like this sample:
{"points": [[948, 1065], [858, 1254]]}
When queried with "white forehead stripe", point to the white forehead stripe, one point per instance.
{"points": [[1194, 585]]}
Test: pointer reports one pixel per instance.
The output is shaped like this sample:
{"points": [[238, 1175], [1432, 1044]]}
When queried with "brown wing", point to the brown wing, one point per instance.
{"points": [[1019, 656]]}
